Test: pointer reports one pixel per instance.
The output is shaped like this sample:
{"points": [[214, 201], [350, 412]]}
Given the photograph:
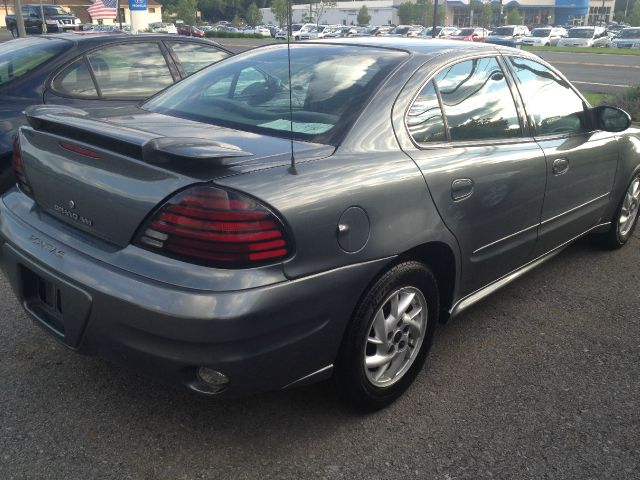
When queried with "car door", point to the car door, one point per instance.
{"points": [[122, 73], [190, 57], [485, 174], [581, 161]]}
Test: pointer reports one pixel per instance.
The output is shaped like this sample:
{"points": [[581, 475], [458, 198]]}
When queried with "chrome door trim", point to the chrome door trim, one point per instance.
{"points": [[575, 208], [505, 238], [487, 290], [323, 373]]}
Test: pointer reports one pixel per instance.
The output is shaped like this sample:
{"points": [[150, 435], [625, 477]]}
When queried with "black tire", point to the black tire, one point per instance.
{"points": [[350, 375], [7, 177], [613, 239]]}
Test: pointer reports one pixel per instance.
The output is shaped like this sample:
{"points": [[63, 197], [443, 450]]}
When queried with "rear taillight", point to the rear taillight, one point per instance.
{"points": [[18, 169], [214, 227]]}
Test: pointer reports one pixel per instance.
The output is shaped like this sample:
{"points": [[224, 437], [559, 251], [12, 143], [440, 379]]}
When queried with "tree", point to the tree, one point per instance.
{"points": [[634, 17], [405, 12], [486, 15], [321, 8], [186, 11], [253, 15], [363, 16], [280, 10], [514, 17]]}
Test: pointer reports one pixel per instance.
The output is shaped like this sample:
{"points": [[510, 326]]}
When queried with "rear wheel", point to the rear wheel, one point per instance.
{"points": [[626, 217], [389, 337]]}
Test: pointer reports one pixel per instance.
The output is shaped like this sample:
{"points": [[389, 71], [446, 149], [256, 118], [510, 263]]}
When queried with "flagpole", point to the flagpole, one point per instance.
{"points": [[118, 13]]}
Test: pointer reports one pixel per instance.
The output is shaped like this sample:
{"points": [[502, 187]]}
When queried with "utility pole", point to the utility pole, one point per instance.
{"points": [[435, 19], [43, 25], [19, 19]]}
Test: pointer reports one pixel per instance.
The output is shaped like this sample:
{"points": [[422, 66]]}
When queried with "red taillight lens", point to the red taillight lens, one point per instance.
{"points": [[16, 163], [215, 227]]}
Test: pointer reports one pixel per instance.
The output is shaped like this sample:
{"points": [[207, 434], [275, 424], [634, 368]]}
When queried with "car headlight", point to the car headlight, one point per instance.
{"points": [[77, 21]]}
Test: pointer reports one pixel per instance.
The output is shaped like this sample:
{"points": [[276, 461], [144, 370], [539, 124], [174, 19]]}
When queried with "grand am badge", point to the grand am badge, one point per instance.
{"points": [[73, 215]]}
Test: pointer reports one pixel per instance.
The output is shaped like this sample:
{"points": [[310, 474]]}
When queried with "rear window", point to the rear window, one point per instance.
{"points": [[21, 56], [581, 33], [331, 84]]}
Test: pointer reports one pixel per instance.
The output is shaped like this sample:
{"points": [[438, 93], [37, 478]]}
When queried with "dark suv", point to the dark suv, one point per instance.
{"points": [[56, 19]]}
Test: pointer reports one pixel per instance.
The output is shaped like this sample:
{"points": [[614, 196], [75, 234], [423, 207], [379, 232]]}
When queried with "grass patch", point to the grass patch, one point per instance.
{"points": [[600, 50], [595, 98]]}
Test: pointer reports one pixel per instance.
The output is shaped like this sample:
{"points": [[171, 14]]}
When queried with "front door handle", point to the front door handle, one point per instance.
{"points": [[461, 188], [560, 166]]}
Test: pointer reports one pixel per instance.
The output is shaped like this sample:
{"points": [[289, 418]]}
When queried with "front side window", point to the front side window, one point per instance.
{"points": [[551, 103], [477, 101], [130, 70], [194, 57], [251, 91]]}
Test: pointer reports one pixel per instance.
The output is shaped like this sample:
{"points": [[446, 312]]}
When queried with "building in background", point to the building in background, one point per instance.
{"points": [[460, 13]]}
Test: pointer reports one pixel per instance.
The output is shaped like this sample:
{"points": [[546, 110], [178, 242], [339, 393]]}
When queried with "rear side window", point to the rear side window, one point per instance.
{"points": [[76, 81], [21, 56], [424, 120], [130, 70], [194, 57], [477, 101], [551, 103]]}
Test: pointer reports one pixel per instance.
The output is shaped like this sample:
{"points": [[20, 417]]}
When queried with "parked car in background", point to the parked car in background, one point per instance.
{"points": [[508, 36], [262, 30], [190, 30], [441, 32], [627, 38], [381, 31], [90, 71], [163, 27], [56, 19], [399, 31], [585, 37], [470, 34], [177, 238], [544, 36]]}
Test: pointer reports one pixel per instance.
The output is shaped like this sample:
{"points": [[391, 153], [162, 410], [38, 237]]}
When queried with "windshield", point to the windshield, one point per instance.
{"points": [[630, 33], [295, 27], [250, 91], [541, 32], [53, 10], [465, 32], [581, 33], [504, 31], [399, 30], [19, 57]]}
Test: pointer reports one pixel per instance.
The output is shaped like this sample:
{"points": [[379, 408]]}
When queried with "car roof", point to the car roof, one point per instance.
{"points": [[88, 39]]}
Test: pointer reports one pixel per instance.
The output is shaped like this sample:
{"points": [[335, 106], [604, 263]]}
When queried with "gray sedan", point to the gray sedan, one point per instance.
{"points": [[265, 224]]}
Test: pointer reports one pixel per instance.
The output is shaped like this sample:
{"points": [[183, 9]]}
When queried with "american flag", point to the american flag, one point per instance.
{"points": [[103, 9]]}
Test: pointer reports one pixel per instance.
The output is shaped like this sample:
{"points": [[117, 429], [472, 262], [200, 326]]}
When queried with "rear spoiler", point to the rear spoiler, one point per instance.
{"points": [[78, 125]]}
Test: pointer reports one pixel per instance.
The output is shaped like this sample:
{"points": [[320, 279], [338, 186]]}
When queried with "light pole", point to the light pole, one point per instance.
{"points": [[19, 19], [43, 27]]}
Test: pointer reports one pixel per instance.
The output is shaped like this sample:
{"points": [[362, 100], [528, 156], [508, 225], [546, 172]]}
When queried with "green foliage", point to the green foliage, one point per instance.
{"points": [[280, 9], [186, 11], [253, 15], [629, 101], [363, 16], [634, 16], [486, 15], [514, 17], [405, 12]]}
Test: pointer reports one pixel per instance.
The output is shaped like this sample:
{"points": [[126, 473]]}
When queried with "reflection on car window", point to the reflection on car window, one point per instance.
{"points": [[76, 81], [330, 85], [477, 101], [131, 70], [424, 119], [551, 104], [194, 57], [21, 56]]}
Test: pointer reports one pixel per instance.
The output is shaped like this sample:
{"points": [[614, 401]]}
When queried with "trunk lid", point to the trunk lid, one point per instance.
{"points": [[105, 175]]}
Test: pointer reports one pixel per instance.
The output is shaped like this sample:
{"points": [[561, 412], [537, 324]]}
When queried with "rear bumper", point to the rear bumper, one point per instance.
{"points": [[261, 338]]}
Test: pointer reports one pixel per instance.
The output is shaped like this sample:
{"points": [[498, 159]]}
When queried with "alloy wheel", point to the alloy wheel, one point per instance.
{"points": [[629, 210], [395, 336]]}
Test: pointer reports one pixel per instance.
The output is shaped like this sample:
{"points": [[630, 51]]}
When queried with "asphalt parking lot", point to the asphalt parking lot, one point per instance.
{"points": [[542, 380]]}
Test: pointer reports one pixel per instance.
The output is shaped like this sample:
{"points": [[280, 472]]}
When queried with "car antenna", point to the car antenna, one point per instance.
{"points": [[292, 169]]}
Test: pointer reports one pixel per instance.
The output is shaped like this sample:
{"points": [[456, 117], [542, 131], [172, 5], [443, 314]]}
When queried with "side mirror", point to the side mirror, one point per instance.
{"points": [[611, 119]]}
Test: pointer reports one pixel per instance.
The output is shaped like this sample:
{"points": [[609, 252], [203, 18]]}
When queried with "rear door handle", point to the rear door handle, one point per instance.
{"points": [[461, 188], [560, 166]]}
